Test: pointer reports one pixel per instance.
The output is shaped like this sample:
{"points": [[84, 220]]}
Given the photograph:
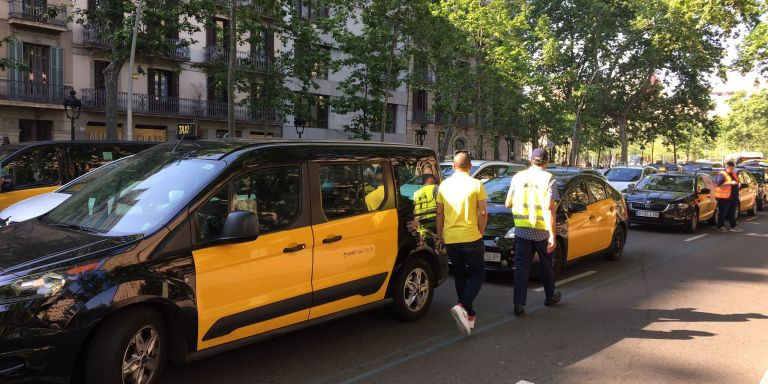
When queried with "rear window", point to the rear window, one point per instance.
{"points": [[624, 174]]}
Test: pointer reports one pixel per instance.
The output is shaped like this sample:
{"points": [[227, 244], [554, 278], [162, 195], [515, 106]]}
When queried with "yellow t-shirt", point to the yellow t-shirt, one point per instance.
{"points": [[459, 195], [373, 199]]}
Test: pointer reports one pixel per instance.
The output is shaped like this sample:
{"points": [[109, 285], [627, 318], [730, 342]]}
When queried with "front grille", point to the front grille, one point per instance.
{"points": [[651, 207]]}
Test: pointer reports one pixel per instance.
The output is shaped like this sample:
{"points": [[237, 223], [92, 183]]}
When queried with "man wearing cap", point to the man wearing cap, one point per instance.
{"points": [[532, 196], [461, 218]]}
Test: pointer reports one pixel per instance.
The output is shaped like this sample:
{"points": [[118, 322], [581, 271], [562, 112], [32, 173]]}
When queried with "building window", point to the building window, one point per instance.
{"points": [[35, 130], [163, 91], [314, 59], [217, 34], [314, 110], [311, 9], [420, 105], [98, 74], [391, 126]]}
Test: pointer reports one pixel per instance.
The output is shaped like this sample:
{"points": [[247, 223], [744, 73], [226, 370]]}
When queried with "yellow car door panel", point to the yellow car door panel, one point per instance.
{"points": [[257, 286], [581, 225], [355, 235], [602, 213], [12, 197]]}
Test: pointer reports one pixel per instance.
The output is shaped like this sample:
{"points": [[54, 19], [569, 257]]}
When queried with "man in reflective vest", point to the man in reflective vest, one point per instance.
{"points": [[727, 194], [425, 198], [532, 196]]}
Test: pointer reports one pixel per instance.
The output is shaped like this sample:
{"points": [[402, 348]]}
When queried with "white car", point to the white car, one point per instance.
{"points": [[485, 170], [41, 204], [622, 176]]}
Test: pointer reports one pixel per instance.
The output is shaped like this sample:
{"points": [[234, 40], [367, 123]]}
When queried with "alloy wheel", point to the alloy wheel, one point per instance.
{"points": [[416, 289], [141, 356]]}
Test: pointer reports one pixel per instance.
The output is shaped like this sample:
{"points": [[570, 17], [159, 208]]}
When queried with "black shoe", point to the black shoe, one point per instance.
{"points": [[519, 310], [554, 299]]}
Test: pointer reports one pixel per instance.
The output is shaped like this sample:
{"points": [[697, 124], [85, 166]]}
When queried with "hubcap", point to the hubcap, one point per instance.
{"points": [[416, 289], [141, 356]]}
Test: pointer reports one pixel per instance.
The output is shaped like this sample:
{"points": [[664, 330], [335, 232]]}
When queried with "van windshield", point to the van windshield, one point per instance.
{"points": [[136, 196]]}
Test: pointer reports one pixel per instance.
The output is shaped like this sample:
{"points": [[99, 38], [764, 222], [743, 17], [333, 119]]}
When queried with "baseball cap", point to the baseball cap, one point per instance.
{"points": [[539, 155]]}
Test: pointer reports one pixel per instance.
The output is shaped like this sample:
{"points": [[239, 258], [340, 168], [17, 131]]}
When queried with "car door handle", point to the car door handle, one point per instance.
{"points": [[295, 248], [331, 239], [592, 217]]}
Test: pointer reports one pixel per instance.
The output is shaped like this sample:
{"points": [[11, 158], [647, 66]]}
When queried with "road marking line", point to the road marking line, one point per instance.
{"points": [[697, 237], [757, 234], [568, 280], [528, 382], [752, 218]]}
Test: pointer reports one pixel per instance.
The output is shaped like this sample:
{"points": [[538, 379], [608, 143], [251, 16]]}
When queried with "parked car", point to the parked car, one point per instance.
{"points": [[30, 169], [171, 256], [591, 219], [621, 177], [748, 191], [667, 167], [40, 204], [761, 177], [673, 199], [484, 170], [696, 167], [570, 171]]}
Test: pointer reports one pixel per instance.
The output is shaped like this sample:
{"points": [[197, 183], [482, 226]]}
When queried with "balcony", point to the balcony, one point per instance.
{"points": [[33, 92], [421, 116], [175, 51], [95, 100], [94, 36], [38, 14], [245, 60]]}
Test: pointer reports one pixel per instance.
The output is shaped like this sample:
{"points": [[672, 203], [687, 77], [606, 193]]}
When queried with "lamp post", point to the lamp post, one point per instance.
{"points": [[421, 134], [299, 124], [72, 108], [510, 147], [565, 143]]}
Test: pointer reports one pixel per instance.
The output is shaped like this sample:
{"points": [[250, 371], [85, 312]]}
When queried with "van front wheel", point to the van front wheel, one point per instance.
{"points": [[414, 290]]}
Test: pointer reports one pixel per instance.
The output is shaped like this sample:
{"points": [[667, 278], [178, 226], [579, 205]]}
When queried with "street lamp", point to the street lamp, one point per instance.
{"points": [[421, 134], [565, 143], [299, 124], [510, 147], [72, 108]]}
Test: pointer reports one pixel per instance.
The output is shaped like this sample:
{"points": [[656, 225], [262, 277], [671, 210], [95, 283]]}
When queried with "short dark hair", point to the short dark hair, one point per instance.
{"points": [[730, 164]]}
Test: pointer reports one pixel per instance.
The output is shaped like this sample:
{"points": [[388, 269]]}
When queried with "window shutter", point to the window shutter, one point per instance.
{"points": [[56, 73], [15, 56]]}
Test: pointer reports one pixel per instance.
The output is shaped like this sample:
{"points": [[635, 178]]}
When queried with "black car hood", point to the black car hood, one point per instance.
{"points": [[667, 196], [30, 246], [500, 220]]}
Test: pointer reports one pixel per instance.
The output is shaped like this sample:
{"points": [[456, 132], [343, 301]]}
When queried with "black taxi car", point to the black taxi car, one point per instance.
{"points": [[591, 219], [196, 247], [33, 168], [673, 199]]}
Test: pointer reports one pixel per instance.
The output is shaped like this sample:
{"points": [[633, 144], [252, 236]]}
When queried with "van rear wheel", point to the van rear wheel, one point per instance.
{"points": [[129, 348], [414, 290]]}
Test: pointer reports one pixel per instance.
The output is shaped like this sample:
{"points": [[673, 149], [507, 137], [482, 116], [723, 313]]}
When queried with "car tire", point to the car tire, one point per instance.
{"points": [[618, 240], [737, 213], [693, 224], [139, 332], [761, 204], [414, 290]]}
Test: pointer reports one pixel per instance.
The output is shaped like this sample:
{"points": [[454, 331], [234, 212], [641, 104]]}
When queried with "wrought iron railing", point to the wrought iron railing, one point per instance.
{"points": [[95, 100], [422, 116], [176, 51], [93, 35], [39, 12], [33, 92], [259, 62]]}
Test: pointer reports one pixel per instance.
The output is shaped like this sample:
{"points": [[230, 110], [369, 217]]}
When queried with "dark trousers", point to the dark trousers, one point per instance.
{"points": [[726, 209], [524, 250], [468, 270]]}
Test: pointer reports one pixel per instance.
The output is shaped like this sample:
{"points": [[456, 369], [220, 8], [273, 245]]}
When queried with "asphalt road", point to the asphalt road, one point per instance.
{"points": [[676, 308]]}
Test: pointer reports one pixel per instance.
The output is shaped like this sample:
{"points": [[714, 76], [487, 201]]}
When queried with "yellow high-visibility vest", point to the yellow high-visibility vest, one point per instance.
{"points": [[425, 205], [530, 198]]}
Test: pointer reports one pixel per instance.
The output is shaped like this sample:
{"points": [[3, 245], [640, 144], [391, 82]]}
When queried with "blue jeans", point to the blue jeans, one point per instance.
{"points": [[524, 250], [468, 270], [726, 210]]}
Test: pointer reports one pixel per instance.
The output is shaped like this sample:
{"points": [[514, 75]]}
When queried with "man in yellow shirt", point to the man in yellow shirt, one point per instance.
{"points": [[461, 218]]}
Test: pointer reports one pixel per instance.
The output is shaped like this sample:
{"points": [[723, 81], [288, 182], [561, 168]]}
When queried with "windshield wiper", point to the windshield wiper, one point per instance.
{"points": [[74, 226]]}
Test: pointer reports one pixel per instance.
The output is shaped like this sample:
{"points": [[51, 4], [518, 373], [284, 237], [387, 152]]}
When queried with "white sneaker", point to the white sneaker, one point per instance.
{"points": [[735, 229], [471, 321], [460, 315], [722, 229]]}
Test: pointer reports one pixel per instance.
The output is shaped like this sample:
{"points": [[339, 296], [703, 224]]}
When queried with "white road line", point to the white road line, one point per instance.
{"points": [[752, 218], [758, 234], [568, 280], [528, 382], [697, 237]]}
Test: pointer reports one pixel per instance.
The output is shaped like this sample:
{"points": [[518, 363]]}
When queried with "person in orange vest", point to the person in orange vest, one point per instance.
{"points": [[727, 194]]}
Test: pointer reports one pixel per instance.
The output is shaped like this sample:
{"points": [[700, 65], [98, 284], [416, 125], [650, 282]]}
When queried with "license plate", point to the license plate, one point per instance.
{"points": [[493, 257], [648, 214]]}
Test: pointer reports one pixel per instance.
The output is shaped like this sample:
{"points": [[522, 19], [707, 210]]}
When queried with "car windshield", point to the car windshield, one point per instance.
{"points": [[4, 152], [137, 196], [666, 183], [448, 170], [78, 184], [624, 174], [497, 189]]}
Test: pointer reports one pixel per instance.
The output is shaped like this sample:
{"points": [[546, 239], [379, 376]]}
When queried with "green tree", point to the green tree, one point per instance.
{"points": [[746, 126]]}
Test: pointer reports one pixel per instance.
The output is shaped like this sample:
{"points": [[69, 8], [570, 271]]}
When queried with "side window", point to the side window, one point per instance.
{"points": [[577, 194], [84, 159], [598, 190], [351, 189], [417, 182], [273, 194], [700, 184], [487, 173], [37, 167]]}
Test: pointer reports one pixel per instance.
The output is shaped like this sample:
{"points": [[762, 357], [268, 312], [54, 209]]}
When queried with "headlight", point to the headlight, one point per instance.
{"points": [[510, 234], [32, 287], [683, 206]]}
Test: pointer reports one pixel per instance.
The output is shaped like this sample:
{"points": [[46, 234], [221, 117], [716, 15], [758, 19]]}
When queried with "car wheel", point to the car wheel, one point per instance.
{"points": [[414, 290], [616, 249], [129, 348], [761, 204], [559, 259], [693, 224], [737, 213]]}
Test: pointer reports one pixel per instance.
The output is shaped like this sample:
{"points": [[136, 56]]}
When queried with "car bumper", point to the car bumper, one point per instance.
{"points": [[506, 259], [666, 218]]}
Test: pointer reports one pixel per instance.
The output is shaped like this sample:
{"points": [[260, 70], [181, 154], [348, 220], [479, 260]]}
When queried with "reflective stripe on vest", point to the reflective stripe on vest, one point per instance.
{"points": [[724, 191], [530, 196], [425, 203]]}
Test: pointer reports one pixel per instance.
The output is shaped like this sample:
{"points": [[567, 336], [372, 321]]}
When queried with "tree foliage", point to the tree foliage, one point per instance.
{"points": [[746, 126]]}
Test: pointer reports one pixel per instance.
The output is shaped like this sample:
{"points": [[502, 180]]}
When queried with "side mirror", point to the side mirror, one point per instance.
{"points": [[240, 226], [706, 191], [576, 207]]}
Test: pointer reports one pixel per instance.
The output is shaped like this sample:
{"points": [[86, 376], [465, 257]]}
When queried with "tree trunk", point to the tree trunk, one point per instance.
{"points": [[111, 74], [231, 67], [575, 142], [622, 121], [390, 63]]}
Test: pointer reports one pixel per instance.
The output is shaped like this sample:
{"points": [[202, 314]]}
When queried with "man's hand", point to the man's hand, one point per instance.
{"points": [[551, 244]]}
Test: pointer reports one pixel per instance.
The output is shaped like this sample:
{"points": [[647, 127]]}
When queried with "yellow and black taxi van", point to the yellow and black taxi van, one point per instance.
{"points": [[591, 218], [34, 168], [191, 248]]}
